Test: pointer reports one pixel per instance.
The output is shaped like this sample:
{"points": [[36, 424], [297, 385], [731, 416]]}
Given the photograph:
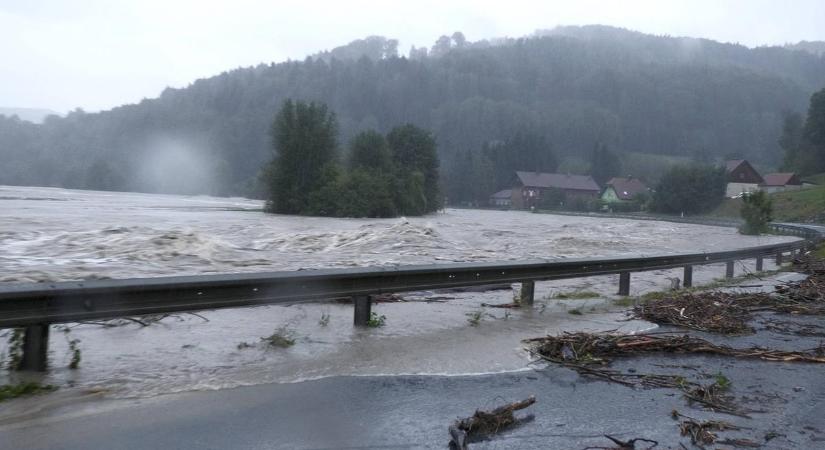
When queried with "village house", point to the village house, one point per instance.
{"points": [[530, 187], [742, 177], [779, 182], [502, 198], [623, 190]]}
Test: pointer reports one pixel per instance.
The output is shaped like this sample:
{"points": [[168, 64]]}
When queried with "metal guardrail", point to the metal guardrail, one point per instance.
{"points": [[37, 305]]}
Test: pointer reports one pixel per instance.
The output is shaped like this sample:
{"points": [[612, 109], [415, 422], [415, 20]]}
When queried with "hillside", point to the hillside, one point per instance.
{"points": [[814, 47], [806, 205], [565, 89], [34, 115]]}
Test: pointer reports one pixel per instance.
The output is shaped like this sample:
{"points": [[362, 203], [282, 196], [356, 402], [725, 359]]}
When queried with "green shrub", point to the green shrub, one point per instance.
{"points": [[756, 212]]}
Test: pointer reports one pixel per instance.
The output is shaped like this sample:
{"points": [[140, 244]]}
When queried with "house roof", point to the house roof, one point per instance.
{"points": [[558, 180], [741, 171], [505, 193], [627, 188], [731, 165], [781, 179]]}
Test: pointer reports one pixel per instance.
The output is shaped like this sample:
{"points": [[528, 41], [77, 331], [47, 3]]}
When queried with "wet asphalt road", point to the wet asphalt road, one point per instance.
{"points": [[415, 411]]}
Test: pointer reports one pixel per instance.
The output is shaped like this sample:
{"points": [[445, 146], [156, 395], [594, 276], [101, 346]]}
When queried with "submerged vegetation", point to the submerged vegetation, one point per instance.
{"points": [[756, 211], [376, 320], [282, 337], [575, 295], [382, 177], [10, 391]]}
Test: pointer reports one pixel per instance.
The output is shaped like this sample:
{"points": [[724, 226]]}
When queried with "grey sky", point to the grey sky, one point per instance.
{"points": [[97, 54]]}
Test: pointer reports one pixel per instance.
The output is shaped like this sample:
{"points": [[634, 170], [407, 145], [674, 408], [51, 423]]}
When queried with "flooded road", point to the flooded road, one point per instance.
{"points": [[49, 234]]}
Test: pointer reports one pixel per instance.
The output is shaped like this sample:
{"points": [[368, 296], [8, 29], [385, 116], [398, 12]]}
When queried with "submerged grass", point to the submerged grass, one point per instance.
{"points": [[575, 295], [10, 391]]}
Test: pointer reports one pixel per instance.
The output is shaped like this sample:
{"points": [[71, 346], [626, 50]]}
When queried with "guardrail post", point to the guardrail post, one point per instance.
{"points": [[363, 309], [528, 290], [759, 263], [779, 258], [687, 280], [35, 348], [729, 269], [624, 283]]}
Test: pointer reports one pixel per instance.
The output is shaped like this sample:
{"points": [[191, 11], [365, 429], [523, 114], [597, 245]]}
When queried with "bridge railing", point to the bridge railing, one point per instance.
{"points": [[35, 306]]}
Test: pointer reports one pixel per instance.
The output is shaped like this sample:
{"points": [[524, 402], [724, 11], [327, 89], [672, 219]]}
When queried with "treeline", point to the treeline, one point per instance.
{"points": [[803, 138], [380, 176], [536, 103]]}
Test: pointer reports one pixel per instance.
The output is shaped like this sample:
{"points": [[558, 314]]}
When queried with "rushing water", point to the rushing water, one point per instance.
{"points": [[49, 234]]}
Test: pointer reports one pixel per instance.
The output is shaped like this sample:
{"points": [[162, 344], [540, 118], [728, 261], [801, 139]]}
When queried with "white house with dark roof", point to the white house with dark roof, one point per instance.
{"points": [[742, 177], [619, 189]]}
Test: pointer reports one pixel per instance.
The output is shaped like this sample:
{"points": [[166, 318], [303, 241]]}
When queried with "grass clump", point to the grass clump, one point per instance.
{"points": [[281, 338], [376, 321], [10, 391], [575, 295], [724, 383], [474, 318], [625, 301], [15, 350]]}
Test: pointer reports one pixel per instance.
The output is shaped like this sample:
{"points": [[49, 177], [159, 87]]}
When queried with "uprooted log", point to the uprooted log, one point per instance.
{"points": [[599, 348], [483, 424], [625, 445]]}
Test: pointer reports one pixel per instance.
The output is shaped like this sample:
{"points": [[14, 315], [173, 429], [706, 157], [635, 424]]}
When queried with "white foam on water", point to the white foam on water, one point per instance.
{"points": [[50, 234]]}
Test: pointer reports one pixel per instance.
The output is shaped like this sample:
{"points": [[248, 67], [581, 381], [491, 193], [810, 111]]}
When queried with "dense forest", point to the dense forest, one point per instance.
{"points": [[542, 102]]}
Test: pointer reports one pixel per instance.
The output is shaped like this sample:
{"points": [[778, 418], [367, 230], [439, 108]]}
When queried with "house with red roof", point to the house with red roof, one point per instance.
{"points": [[779, 182]]}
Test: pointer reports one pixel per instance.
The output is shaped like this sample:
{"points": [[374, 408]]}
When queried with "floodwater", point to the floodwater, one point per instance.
{"points": [[49, 234]]}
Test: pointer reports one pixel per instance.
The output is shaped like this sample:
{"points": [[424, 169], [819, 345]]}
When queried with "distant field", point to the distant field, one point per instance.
{"points": [[818, 178], [807, 205]]}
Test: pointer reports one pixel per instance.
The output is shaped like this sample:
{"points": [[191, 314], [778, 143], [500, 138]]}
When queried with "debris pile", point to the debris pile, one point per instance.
{"points": [[729, 313], [598, 348], [701, 433], [715, 312]]}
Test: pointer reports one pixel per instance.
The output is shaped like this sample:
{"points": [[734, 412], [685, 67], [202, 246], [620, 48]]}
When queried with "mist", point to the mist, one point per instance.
{"points": [[176, 165]]}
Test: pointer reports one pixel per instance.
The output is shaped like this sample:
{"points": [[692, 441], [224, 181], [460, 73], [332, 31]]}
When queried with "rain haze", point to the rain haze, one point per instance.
{"points": [[431, 224], [95, 54]]}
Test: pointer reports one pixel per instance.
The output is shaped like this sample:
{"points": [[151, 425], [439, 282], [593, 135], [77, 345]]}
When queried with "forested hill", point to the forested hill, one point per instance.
{"points": [[528, 103]]}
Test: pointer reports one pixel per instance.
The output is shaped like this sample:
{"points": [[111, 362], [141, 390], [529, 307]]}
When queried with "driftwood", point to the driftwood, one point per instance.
{"points": [[483, 424], [729, 313], [501, 305], [625, 445], [598, 348], [701, 433], [716, 312]]}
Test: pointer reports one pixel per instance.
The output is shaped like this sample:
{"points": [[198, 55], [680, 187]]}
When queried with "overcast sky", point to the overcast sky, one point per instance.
{"points": [[97, 54]]}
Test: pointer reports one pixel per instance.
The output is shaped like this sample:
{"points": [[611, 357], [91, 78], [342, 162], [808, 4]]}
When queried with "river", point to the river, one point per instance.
{"points": [[50, 234]]}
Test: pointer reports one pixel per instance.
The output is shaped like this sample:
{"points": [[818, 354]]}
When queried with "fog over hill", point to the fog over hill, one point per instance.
{"points": [[566, 89], [35, 115]]}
